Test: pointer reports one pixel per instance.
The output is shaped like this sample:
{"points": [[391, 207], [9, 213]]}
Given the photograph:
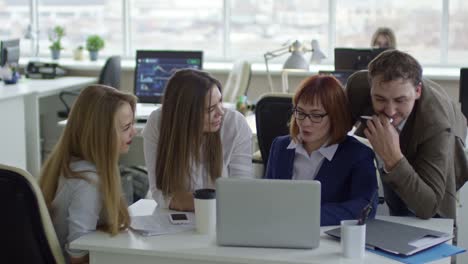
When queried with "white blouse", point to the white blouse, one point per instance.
{"points": [[236, 138], [307, 166]]}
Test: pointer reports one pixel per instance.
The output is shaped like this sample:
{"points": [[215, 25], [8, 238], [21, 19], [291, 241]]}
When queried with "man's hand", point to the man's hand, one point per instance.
{"points": [[384, 140], [182, 201]]}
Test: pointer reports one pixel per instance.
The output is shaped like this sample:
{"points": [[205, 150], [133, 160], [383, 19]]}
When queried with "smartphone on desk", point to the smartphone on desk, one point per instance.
{"points": [[179, 218]]}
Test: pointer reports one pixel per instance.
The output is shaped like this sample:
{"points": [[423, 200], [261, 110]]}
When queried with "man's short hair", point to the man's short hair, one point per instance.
{"points": [[392, 65]]}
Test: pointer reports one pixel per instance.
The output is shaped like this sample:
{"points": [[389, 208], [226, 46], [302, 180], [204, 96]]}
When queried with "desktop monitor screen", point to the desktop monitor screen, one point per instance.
{"points": [[354, 59], [9, 52], [154, 68]]}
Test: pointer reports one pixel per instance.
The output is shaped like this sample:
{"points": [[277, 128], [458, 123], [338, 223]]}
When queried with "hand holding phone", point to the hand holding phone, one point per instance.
{"points": [[364, 120]]}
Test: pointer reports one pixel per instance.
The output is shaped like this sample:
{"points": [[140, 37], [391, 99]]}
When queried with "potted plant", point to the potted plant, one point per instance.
{"points": [[78, 53], [94, 43], [55, 36]]}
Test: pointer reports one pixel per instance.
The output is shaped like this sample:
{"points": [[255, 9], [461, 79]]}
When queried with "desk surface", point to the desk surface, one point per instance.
{"points": [[190, 247], [42, 87]]}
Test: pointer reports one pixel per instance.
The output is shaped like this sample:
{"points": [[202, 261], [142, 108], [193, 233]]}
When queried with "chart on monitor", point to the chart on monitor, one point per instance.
{"points": [[154, 68]]}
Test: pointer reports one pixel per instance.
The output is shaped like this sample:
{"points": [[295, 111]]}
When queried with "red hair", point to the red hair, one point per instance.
{"points": [[328, 91]]}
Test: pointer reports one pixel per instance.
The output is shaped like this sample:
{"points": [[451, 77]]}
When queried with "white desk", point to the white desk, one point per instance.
{"points": [[190, 247], [22, 106]]}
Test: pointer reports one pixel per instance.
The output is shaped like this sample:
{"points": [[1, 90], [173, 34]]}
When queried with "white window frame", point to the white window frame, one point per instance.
{"points": [[226, 51]]}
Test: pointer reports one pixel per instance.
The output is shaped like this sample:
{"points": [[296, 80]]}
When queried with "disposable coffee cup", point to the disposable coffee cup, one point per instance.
{"points": [[353, 239], [205, 211]]}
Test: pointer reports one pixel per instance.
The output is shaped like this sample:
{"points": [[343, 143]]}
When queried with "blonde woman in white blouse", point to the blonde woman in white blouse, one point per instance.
{"points": [[192, 140]]}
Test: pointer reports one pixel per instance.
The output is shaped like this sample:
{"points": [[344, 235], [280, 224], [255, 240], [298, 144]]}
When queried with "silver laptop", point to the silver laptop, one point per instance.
{"points": [[268, 213]]}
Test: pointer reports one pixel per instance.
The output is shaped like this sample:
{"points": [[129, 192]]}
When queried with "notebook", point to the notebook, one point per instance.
{"points": [[268, 213], [398, 238]]}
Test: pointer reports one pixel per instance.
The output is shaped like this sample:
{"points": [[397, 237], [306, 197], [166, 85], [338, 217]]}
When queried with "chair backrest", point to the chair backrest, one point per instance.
{"points": [[110, 73], [110, 76], [272, 115], [463, 98], [237, 82], [28, 235]]}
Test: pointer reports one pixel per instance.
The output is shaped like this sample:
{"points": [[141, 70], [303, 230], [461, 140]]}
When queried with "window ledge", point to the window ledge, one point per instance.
{"points": [[433, 73]]}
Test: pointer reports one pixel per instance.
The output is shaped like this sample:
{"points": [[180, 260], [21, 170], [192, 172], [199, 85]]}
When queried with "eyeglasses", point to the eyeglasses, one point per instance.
{"points": [[314, 118]]}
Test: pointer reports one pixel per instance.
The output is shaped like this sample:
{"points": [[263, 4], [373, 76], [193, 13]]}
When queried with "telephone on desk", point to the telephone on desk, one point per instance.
{"points": [[43, 70]]}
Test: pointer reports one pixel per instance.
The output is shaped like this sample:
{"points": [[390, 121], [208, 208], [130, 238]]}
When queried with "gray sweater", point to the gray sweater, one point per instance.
{"points": [[76, 208]]}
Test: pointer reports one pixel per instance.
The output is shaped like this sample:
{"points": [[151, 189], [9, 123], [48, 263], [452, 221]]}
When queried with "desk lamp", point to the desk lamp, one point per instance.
{"points": [[295, 62]]}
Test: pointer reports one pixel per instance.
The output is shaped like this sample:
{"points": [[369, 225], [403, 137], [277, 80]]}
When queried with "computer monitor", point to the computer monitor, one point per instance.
{"points": [[154, 68], [463, 91], [9, 52], [354, 59]]}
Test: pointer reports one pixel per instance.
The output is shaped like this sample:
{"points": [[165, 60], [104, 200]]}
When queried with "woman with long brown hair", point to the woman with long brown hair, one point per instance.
{"points": [[80, 179], [192, 140]]}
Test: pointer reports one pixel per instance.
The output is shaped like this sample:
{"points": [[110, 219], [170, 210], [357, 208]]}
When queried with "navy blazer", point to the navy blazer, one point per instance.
{"points": [[348, 181]]}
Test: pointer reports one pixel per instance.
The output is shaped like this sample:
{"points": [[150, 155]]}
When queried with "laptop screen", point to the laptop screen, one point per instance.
{"points": [[154, 68]]}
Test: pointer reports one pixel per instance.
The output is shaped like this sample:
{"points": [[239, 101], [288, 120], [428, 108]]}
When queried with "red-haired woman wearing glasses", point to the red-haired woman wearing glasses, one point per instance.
{"points": [[318, 148]]}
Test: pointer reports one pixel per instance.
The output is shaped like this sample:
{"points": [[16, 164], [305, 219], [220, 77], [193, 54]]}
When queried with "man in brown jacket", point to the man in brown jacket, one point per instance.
{"points": [[416, 131]]}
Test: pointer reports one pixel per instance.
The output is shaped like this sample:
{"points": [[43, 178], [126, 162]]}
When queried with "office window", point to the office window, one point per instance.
{"points": [[458, 33], [258, 26], [81, 19], [14, 21], [247, 29], [178, 25], [417, 25]]}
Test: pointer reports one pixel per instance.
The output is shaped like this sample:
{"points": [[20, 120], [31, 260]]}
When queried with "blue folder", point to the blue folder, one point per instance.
{"points": [[434, 253]]}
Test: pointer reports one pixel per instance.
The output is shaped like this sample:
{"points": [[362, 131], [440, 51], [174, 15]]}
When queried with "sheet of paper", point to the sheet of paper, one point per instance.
{"points": [[143, 207], [159, 224], [429, 241]]}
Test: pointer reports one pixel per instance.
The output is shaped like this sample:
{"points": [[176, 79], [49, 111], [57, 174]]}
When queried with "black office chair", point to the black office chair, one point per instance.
{"points": [[463, 96], [110, 73], [110, 76], [272, 115], [28, 235]]}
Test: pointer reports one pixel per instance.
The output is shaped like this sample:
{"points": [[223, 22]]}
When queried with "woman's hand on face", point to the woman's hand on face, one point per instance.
{"points": [[182, 201]]}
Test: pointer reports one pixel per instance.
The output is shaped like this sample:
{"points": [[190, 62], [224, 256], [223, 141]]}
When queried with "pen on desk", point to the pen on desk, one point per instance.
{"points": [[370, 117], [367, 209]]}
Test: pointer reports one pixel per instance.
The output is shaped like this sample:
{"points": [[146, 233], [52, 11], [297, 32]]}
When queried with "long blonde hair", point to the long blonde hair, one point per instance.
{"points": [[182, 142], [91, 134]]}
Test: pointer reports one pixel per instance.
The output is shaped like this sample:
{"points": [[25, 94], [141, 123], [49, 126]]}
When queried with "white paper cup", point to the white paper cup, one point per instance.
{"points": [[353, 239], [205, 211]]}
